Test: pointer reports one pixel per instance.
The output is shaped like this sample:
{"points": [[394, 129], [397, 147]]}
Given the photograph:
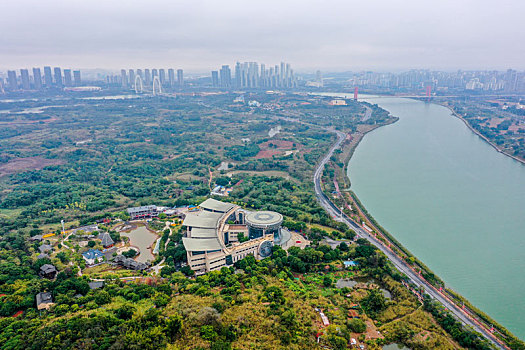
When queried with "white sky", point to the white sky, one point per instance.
{"points": [[198, 35]]}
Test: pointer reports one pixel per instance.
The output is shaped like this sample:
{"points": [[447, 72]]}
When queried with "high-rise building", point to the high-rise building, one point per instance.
{"points": [[162, 76], [76, 78], [11, 80], [37, 79], [226, 76], [68, 79], [48, 76], [171, 77], [180, 77], [147, 77], [319, 78], [140, 74], [154, 73], [131, 74], [238, 74], [58, 76], [24, 78], [214, 78], [123, 78]]}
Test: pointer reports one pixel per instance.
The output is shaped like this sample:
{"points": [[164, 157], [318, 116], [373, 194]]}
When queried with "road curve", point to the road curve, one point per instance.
{"points": [[395, 259]]}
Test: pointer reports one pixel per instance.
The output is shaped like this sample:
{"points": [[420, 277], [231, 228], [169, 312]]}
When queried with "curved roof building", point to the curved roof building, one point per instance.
{"points": [[214, 234]]}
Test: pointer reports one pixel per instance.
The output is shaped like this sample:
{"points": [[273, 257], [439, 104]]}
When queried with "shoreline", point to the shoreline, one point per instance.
{"points": [[486, 139]]}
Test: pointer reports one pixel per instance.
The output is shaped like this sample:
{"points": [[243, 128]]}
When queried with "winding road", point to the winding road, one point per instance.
{"points": [[399, 263]]}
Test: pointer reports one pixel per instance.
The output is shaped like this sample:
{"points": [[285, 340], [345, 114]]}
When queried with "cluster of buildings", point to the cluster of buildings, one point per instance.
{"points": [[128, 78], [502, 81], [55, 78], [220, 234], [252, 75]]}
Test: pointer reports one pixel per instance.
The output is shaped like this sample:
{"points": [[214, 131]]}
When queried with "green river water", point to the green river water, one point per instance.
{"points": [[452, 200]]}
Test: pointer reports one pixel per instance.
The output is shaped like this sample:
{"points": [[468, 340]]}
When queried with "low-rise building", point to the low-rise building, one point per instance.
{"points": [[106, 240], [212, 235], [44, 300], [147, 211], [48, 271], [44, 248], [130, 263], [96, 284], [93, 256]]}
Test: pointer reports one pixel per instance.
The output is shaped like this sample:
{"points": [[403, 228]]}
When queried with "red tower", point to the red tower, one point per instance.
{"points": [[355, 93], [429, 92]]}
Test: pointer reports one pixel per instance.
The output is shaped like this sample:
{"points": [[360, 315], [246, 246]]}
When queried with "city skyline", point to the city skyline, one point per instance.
{"points": [[380, 35]]}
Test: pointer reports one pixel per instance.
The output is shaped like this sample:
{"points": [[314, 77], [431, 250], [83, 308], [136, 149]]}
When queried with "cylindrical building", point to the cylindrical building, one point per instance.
{"points": [[262, 223]]}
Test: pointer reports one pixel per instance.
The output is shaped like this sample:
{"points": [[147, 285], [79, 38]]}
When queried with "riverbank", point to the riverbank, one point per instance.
{"points": [[486, 139]]}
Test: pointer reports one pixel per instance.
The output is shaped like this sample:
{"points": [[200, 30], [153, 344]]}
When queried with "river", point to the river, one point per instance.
{"points": [[452, 200]]}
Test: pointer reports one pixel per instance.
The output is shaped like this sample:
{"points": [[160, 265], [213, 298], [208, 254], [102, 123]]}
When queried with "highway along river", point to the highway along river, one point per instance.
{"points": [[452, 200]]}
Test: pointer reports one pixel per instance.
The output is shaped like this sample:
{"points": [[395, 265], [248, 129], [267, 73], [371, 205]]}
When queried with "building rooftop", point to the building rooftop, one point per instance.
{"points": [[44, 297], [196, 244], [96, 284], [106, 239], [264, 218], [141, 209], [45, 248], [197, 232], [47, 268], [92, 254], [215, 205], [202, 219]]}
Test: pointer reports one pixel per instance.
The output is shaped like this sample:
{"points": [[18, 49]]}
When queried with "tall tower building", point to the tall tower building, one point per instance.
{"points": [[37, 79], [162, 76], [238, 75], [76, 77], [11, 80], [24, 77], [147, 77], [48, 76], [131, 74], [226, 76], [171, 77], [123, 78], [282, 73], [154, 73], [214, 78], [319, 78], [180, 77], [140, 74], [58, 76], [68, 79]]}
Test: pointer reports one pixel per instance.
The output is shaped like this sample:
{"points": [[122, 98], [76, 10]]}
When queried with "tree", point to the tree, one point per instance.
{"points": [[242, 238], [274, 294], [374, 302], [173, 326], [357, 325], [91, 244], [125, 312], [102, 297], [327, 281]]}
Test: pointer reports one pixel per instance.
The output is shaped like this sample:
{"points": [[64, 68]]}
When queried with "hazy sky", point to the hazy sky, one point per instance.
{"points": [[199, 35]]}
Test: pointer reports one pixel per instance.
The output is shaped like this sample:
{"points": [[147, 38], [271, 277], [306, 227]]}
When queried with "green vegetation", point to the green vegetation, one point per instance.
{"points": [[89, 160]]}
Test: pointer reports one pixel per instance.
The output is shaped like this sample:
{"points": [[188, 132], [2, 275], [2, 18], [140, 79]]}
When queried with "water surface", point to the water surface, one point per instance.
{"points": [[452, 200], [141, 238]]}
